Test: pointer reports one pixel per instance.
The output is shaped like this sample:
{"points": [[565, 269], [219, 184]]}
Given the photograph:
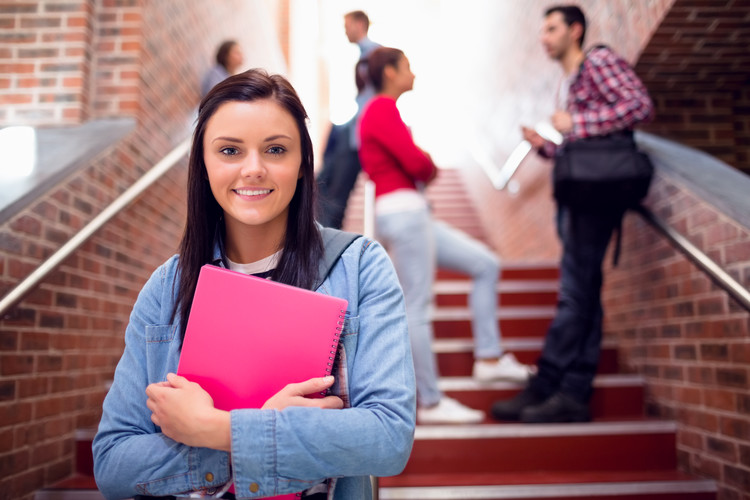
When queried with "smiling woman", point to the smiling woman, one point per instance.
{"points": [[252, 155], [250, 208]]}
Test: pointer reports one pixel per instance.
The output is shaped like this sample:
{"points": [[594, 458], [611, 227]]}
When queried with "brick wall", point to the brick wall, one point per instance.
{"points": [[45, 61], [697, 68], [59, 346], [690, 340]]}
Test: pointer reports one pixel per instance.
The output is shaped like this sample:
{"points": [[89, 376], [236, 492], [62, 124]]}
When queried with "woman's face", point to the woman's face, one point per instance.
{"points": [[234, 58], [403, 78], [252, 151]]}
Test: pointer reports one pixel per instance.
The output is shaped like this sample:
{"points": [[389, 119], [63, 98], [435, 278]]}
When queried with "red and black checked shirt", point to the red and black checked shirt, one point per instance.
{"points": [[605, 96]]}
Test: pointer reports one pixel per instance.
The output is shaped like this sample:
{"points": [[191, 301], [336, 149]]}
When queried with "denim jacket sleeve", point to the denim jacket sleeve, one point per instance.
{"points": [[275, 452], [131, 455]]}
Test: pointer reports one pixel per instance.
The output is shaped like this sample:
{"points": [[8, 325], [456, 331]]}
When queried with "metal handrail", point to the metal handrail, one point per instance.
{"points": [[700, 259], [368, 216], [96, 223]]}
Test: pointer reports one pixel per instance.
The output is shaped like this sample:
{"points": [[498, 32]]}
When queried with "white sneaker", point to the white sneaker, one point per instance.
{"points": [[449, 411], [507, 368]]}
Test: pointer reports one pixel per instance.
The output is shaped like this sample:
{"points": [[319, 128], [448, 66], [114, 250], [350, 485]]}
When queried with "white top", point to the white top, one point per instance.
{"points": [[400, 200], [257, 267]]}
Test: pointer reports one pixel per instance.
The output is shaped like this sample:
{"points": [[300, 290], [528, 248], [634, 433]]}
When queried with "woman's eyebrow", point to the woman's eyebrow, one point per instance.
{"points": [[224, 138], [277, 136]]}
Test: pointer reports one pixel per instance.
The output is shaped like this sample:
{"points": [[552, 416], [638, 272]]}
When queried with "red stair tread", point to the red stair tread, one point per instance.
{"points": [[564, 447], [76, 482]]}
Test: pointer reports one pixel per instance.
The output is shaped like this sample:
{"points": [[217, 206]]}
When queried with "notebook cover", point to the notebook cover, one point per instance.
{"points": [[248, 337]]}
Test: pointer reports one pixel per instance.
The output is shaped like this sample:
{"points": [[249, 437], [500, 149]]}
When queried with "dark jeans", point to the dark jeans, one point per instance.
{"points": [[338, 175], [570, 356]]}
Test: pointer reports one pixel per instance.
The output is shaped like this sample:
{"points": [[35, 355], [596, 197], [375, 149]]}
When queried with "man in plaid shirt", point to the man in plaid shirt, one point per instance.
{"points": [[599, 95]]}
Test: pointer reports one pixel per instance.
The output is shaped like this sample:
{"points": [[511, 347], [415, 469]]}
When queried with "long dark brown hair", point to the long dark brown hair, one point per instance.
{"points": [[302, 247]]}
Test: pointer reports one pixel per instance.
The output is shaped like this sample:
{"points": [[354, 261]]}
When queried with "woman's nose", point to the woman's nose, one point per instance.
{"points": [[253, 166]]}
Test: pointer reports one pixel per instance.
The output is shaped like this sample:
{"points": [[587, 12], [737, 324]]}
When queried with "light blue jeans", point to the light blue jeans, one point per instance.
{"points": [[418, 244]]}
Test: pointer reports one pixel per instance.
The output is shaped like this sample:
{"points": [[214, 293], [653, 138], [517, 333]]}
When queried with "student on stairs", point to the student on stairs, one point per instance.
{"points": [[418, 244], [599, 95]]}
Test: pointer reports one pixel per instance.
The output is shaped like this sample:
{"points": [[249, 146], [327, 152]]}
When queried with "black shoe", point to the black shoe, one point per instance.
{"points": [[557, 409], [510, 409]]}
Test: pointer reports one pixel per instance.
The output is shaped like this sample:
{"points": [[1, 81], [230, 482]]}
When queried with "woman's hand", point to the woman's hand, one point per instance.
{"points": [[294, 395], [186, 413]]}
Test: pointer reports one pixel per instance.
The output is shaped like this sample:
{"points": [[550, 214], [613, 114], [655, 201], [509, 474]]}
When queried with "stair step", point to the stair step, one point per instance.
{"points": [[510, 292], [640, 485], [456, 356], [80, 486], [516, 270], [595, 446], [514, 321], [614, 397]]}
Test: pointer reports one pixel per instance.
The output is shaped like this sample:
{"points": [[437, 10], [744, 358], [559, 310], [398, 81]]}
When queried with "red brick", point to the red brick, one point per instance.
{"points": [[737, 476], [735, 427], [688, 395], [714, 352], [12, 413], [737, 252], [48, 407], [733, 377], [722, 448], [740, 353], [720, 399], [26, 482], [16, 364]]}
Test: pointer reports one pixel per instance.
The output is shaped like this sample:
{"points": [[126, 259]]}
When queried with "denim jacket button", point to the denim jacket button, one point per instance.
{"points": [[254, 487], [209, 477]]}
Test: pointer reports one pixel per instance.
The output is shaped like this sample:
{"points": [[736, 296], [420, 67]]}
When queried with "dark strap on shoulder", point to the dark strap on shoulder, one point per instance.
{"points": [[334, 244]]}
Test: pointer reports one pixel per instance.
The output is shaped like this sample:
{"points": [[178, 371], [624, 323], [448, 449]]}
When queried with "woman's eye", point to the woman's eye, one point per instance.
{"points": [[276, 150], [229, 151]]}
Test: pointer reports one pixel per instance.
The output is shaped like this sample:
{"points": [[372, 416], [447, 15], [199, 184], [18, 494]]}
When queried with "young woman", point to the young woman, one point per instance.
{"points": [[229, 59], [250, 208], [418, 243]]}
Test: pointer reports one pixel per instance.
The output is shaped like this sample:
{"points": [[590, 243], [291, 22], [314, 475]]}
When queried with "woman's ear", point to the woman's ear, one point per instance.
{"points": [[389, 72]]}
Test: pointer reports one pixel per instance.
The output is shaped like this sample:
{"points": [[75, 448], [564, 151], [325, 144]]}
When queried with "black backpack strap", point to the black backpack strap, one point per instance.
{"points": [[334, 244]]}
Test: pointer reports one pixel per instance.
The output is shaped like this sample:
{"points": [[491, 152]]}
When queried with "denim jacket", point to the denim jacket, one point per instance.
{"points": [[273, 452]]}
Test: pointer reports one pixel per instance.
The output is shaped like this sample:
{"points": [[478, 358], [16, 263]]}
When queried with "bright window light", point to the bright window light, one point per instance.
{"points": [[18, 152]]}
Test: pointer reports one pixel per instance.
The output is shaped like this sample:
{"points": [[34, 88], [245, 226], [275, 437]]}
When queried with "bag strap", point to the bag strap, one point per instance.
{"points": [[335, 242]]}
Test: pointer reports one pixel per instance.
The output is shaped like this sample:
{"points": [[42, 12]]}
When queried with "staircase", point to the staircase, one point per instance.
{"points": [[621, 455]]}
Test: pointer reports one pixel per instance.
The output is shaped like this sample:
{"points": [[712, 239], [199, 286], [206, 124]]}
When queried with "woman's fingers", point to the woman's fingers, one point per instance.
{"points": [[294, 395], [311, 386]]}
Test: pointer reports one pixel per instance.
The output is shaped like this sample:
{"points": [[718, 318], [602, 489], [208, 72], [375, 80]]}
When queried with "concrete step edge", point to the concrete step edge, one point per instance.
{"points": [[513, 431], [549, 490]]}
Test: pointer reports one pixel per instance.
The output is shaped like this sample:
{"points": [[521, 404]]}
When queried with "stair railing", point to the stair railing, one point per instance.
{"points": [[501, 177], [369, 212], [122, 201], [700, 259]]}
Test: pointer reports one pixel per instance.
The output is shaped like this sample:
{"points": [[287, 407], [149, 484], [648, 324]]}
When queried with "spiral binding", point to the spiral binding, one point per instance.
{"points": [[334, 347]]}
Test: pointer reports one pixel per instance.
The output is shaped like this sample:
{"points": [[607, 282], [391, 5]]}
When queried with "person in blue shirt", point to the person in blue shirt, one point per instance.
{"points": [[250, 196], [340, 159], [229, 59]]}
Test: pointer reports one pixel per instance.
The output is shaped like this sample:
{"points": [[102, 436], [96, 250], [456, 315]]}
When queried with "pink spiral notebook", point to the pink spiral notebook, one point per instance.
{"points": [[248, 337]]}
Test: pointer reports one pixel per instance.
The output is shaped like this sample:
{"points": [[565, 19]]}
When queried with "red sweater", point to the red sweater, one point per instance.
{"points": [[387, 151]]}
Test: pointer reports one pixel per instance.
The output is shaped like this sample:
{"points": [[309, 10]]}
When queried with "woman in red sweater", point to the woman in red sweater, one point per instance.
{"points": [[418, 243]]}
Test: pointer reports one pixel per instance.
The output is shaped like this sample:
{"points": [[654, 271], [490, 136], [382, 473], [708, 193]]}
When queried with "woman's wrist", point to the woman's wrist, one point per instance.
{"points": [[218, 431]]}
